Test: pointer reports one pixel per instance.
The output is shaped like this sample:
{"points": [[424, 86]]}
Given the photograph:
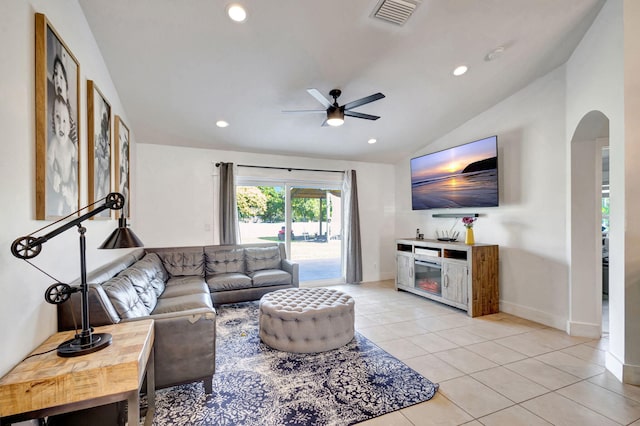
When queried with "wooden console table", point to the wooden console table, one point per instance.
{"points": [[45, 385]]}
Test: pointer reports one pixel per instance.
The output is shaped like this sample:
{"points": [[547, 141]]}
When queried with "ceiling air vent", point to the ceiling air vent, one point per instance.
{"points": [[395, 11]]}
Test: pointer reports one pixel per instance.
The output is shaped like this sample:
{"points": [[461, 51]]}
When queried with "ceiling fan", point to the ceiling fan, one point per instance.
{"points": [[335, 113]]}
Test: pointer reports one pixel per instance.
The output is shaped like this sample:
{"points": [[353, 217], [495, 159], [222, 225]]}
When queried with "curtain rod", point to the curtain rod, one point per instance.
{"points": [[287, 168]]}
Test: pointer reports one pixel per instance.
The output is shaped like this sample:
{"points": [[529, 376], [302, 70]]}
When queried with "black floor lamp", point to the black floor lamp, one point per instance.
{"points": [[29, 246]]}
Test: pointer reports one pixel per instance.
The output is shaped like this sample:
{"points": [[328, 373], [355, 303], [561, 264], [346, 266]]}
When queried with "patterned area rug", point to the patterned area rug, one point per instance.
{"points": [[257, 385]]}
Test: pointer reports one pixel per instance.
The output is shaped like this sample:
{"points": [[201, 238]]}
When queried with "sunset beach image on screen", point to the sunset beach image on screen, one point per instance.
{"points": [[462, 176]]}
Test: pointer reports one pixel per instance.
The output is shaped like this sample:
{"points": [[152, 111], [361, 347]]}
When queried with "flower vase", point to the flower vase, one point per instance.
{"points": [[469, 240]]}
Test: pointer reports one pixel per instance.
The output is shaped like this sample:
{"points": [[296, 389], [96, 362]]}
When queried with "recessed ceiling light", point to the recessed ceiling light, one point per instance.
{"points": [[372, 141], [222, 123], [236, 12], [460, 70]]}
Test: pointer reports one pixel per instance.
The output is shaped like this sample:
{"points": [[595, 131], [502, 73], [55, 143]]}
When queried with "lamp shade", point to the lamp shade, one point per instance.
{"points": [[335, 116], [121, 237]]}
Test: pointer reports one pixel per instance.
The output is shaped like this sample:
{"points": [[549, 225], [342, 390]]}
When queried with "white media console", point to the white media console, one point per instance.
{"points": [[460, 275]]}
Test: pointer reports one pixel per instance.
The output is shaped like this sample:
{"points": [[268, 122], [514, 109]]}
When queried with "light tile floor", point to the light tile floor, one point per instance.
{"points": [[493, 370]]}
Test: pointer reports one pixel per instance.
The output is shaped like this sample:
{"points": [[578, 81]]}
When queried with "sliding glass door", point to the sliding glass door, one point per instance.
{"points": [[306, 217], [317, 227], [261, 212]]}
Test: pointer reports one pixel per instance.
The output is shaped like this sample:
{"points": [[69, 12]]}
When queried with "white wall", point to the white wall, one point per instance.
{"points": [[630, 223], [175, 198], [529, 225], [532, 224], [26, 320], [595, 83], [611, 84]]}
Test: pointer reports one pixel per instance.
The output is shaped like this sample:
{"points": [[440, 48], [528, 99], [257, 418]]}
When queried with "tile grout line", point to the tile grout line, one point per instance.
{"points": [[592, 343]]}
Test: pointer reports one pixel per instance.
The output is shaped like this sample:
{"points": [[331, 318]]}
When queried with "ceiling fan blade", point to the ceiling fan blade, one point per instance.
{"points": [[361, 115], [305, 111], [363, 101], [324, 123], [319, 97]]}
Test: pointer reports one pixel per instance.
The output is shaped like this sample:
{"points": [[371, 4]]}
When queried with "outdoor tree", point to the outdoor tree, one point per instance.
{"points": [[274, 209], [304, 209], [252, 203], [266, 203]]}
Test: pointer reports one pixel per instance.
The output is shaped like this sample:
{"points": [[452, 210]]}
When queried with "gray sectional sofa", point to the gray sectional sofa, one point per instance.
{"points": [[179, 287]]}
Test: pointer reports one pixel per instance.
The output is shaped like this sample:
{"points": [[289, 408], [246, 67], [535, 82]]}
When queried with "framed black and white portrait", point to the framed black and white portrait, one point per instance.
{"points": [[99, 146], [122, 171], [57, 124]]}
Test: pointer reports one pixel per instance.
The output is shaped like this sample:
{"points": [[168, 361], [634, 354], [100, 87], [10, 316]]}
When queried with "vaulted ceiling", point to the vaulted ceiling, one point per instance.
{"points": [[179, 66]]}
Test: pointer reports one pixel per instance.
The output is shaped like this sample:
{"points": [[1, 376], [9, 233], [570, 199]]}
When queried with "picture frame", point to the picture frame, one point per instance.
{"points": [[57, 91], [122, 169], [98, 147]]}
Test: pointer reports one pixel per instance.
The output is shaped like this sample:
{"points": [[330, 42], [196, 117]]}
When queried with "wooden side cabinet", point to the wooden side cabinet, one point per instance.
{"points": [[460, 275], [45, 384]]}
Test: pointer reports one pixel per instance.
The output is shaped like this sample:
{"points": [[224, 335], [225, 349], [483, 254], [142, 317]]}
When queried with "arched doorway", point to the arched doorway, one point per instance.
{"points": [[585, 219]]}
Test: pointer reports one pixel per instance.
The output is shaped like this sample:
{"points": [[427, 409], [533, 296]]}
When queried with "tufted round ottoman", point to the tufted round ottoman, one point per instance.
{"points": [[306, 320]]}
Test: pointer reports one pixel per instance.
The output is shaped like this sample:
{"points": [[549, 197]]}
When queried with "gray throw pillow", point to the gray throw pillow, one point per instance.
{"points": [[260, 258]]}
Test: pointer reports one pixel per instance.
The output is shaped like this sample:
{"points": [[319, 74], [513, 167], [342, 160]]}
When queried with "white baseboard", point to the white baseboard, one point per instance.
{"points": [[614, 365], [584, 329], [533, 315], [631, 374]]}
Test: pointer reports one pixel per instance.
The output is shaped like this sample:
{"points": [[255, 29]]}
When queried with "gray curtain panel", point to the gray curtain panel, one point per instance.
{"points": [[352, 249], [228, 210]]}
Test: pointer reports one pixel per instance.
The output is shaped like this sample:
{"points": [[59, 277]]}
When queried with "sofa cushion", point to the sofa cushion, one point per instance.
{"points": [[111, 269], [183, 303], [269, 277], [224, 261], [152, 266], [232, 281], [179, 286], [182, 261], [142, 286], [148, 277], [259, 258], [125, 298]]}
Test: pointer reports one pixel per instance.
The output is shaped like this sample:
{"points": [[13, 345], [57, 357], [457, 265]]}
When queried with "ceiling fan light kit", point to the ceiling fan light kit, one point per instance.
{"points": [[336, 113], [335, 117]]}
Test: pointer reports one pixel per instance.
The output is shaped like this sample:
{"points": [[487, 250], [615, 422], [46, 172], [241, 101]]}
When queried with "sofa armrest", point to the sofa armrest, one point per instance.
{"points": [[292, 268], [184, 346]]}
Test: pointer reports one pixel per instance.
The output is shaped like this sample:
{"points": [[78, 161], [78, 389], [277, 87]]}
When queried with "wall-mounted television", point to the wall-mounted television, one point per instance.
{"points": [[459, 177]]}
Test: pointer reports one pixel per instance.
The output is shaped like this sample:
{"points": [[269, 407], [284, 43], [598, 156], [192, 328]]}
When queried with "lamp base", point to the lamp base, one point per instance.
{"points": [[75, 347]]}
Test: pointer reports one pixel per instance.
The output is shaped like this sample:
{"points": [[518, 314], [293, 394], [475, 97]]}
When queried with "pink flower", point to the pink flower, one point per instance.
{"points": [[468, 221]]}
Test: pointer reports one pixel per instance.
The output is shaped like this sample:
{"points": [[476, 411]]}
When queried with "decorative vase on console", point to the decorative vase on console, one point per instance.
{"points": [[468, 223]]}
